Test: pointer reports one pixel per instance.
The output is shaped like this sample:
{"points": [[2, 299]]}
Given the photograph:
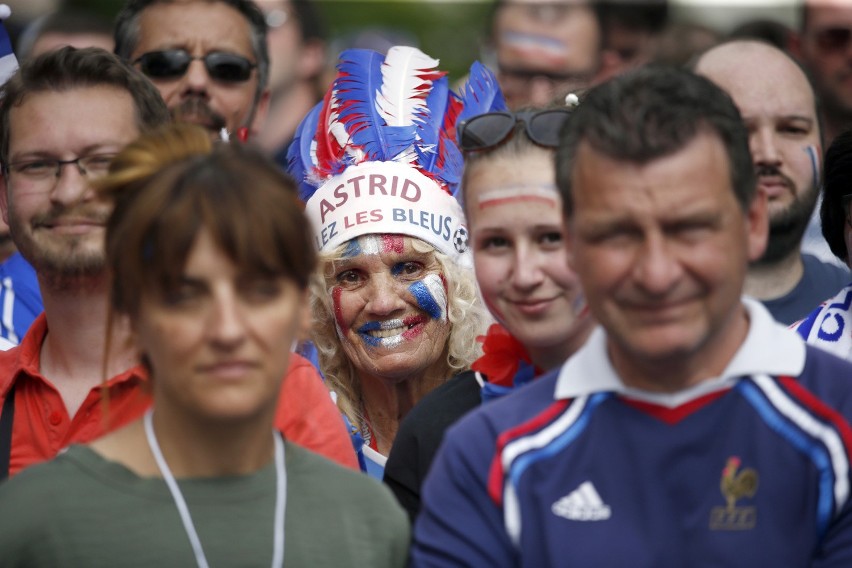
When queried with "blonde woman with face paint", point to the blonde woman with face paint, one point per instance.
{"points": [[515, 219], [394, 304]]}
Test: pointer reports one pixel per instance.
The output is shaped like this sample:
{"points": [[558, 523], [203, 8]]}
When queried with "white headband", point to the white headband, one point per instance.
{"points": [[387, 198]]}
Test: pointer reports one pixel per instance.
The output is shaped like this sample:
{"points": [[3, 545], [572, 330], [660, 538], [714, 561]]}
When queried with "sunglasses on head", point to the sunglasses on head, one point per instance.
{"points": [[173, 63], [833, 39], [493, 128]]}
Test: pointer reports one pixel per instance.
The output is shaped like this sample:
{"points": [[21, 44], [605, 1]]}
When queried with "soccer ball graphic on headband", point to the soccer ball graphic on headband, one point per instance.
{"points": [[460, 239]]}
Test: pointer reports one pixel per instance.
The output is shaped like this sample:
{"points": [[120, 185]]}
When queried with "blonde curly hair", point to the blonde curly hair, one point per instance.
{"points": [[465, 313]]}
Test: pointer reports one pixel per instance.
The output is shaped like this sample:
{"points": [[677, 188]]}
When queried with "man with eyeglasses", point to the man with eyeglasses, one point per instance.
{"points": [[208, 59], [824, 46], [296, 61], [63, 117], [778, 106], [545, 49]]}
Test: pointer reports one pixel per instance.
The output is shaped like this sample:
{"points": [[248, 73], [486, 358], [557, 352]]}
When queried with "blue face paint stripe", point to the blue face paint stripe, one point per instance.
{"points": [[370, 326], [425, 300], [369, 339], [353, 248], [814, 167]]}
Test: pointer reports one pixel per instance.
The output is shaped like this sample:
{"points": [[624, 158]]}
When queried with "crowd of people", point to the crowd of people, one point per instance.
{"points": [[567, 310]]}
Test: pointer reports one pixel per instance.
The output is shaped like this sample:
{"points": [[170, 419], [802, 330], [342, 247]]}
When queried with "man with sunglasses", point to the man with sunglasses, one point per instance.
{"points": [[778, 106], [208, 59], [824, 46], [691, 429]]}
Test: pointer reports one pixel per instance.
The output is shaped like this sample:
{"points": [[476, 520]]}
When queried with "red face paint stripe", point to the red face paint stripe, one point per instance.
{"points": [[504, 200], [338, 310]]}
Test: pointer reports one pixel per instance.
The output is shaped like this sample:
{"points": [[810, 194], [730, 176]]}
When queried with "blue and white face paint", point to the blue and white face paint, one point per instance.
{"points": [[431, 296], [390, 303]]}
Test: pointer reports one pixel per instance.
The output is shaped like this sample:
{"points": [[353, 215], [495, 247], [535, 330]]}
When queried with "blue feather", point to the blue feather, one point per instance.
{"points": [[481, 94], [300, 160], [429, 125], [357, 85]]}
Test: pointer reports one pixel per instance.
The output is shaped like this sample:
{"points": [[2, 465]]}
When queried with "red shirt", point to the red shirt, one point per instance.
{"points": [[306, 414]]}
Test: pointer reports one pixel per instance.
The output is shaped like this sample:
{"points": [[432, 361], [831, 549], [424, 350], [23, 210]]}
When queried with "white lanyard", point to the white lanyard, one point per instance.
{"points": [[189, 527]]}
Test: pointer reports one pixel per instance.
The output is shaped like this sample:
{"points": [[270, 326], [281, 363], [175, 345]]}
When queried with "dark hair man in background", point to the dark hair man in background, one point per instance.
{"points": [[691, 428]]}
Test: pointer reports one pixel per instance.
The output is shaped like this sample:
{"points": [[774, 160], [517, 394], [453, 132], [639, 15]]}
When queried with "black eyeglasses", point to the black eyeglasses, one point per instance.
{"points": [[491, 129], [173, 63], [833, 39], [43, 169]]}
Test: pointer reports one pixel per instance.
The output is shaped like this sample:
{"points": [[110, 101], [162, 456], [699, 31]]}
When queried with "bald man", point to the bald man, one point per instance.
{"points": [[778, 105]]}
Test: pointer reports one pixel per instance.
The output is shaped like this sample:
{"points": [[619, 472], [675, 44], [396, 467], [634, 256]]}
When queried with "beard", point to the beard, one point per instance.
{"points": [[195, 110], [786, 227], [61, 261]]}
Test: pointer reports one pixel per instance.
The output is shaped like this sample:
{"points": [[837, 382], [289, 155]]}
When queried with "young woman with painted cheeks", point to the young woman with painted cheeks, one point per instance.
{"points": [[211, 255], [514, 215], [395, 303]]}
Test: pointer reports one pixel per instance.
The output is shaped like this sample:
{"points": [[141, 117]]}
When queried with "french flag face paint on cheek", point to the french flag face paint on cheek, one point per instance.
{"points": [[431, 296]]}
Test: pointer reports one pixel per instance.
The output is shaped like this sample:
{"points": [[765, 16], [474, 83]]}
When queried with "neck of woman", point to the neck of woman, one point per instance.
{"points": [[552, 356], [386, 402], [195, 447]]}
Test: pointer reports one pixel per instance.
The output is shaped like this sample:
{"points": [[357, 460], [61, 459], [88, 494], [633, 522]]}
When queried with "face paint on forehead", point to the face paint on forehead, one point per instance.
{"points": [[542, 46], [374, 244], [545, 193], [431, 296]]}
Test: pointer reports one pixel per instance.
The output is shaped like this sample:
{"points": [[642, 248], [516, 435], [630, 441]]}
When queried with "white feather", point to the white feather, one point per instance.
{"points": [[403, 89]]}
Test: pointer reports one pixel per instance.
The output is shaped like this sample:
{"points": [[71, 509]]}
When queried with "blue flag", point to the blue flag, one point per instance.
{"points": [[8, 62]]}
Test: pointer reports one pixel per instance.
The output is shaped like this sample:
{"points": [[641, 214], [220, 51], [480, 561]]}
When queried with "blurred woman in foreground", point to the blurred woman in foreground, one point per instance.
{"points": [[211, 257]]}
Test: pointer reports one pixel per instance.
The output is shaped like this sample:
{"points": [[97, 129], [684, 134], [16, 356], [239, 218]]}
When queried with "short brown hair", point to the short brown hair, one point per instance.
{"points": [[173, 182], [71, 68]]}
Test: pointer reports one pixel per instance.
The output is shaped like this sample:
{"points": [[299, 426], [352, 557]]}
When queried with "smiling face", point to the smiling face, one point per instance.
{"points": [[201, 28], [58, 224], [390, 306], [218, 344], [662, 251], [515, 217]]}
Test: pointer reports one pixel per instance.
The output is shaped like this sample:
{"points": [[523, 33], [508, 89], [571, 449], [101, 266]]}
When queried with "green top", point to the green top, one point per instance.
{"points": [[82, 510]]}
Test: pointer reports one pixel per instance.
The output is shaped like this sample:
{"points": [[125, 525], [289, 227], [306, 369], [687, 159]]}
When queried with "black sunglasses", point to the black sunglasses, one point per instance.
{"points": [[833, 39], [173, 63], [491, 129]]}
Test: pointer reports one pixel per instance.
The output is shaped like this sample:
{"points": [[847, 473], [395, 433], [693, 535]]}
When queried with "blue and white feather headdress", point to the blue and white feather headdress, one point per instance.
{"points": [[379, 153]]}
